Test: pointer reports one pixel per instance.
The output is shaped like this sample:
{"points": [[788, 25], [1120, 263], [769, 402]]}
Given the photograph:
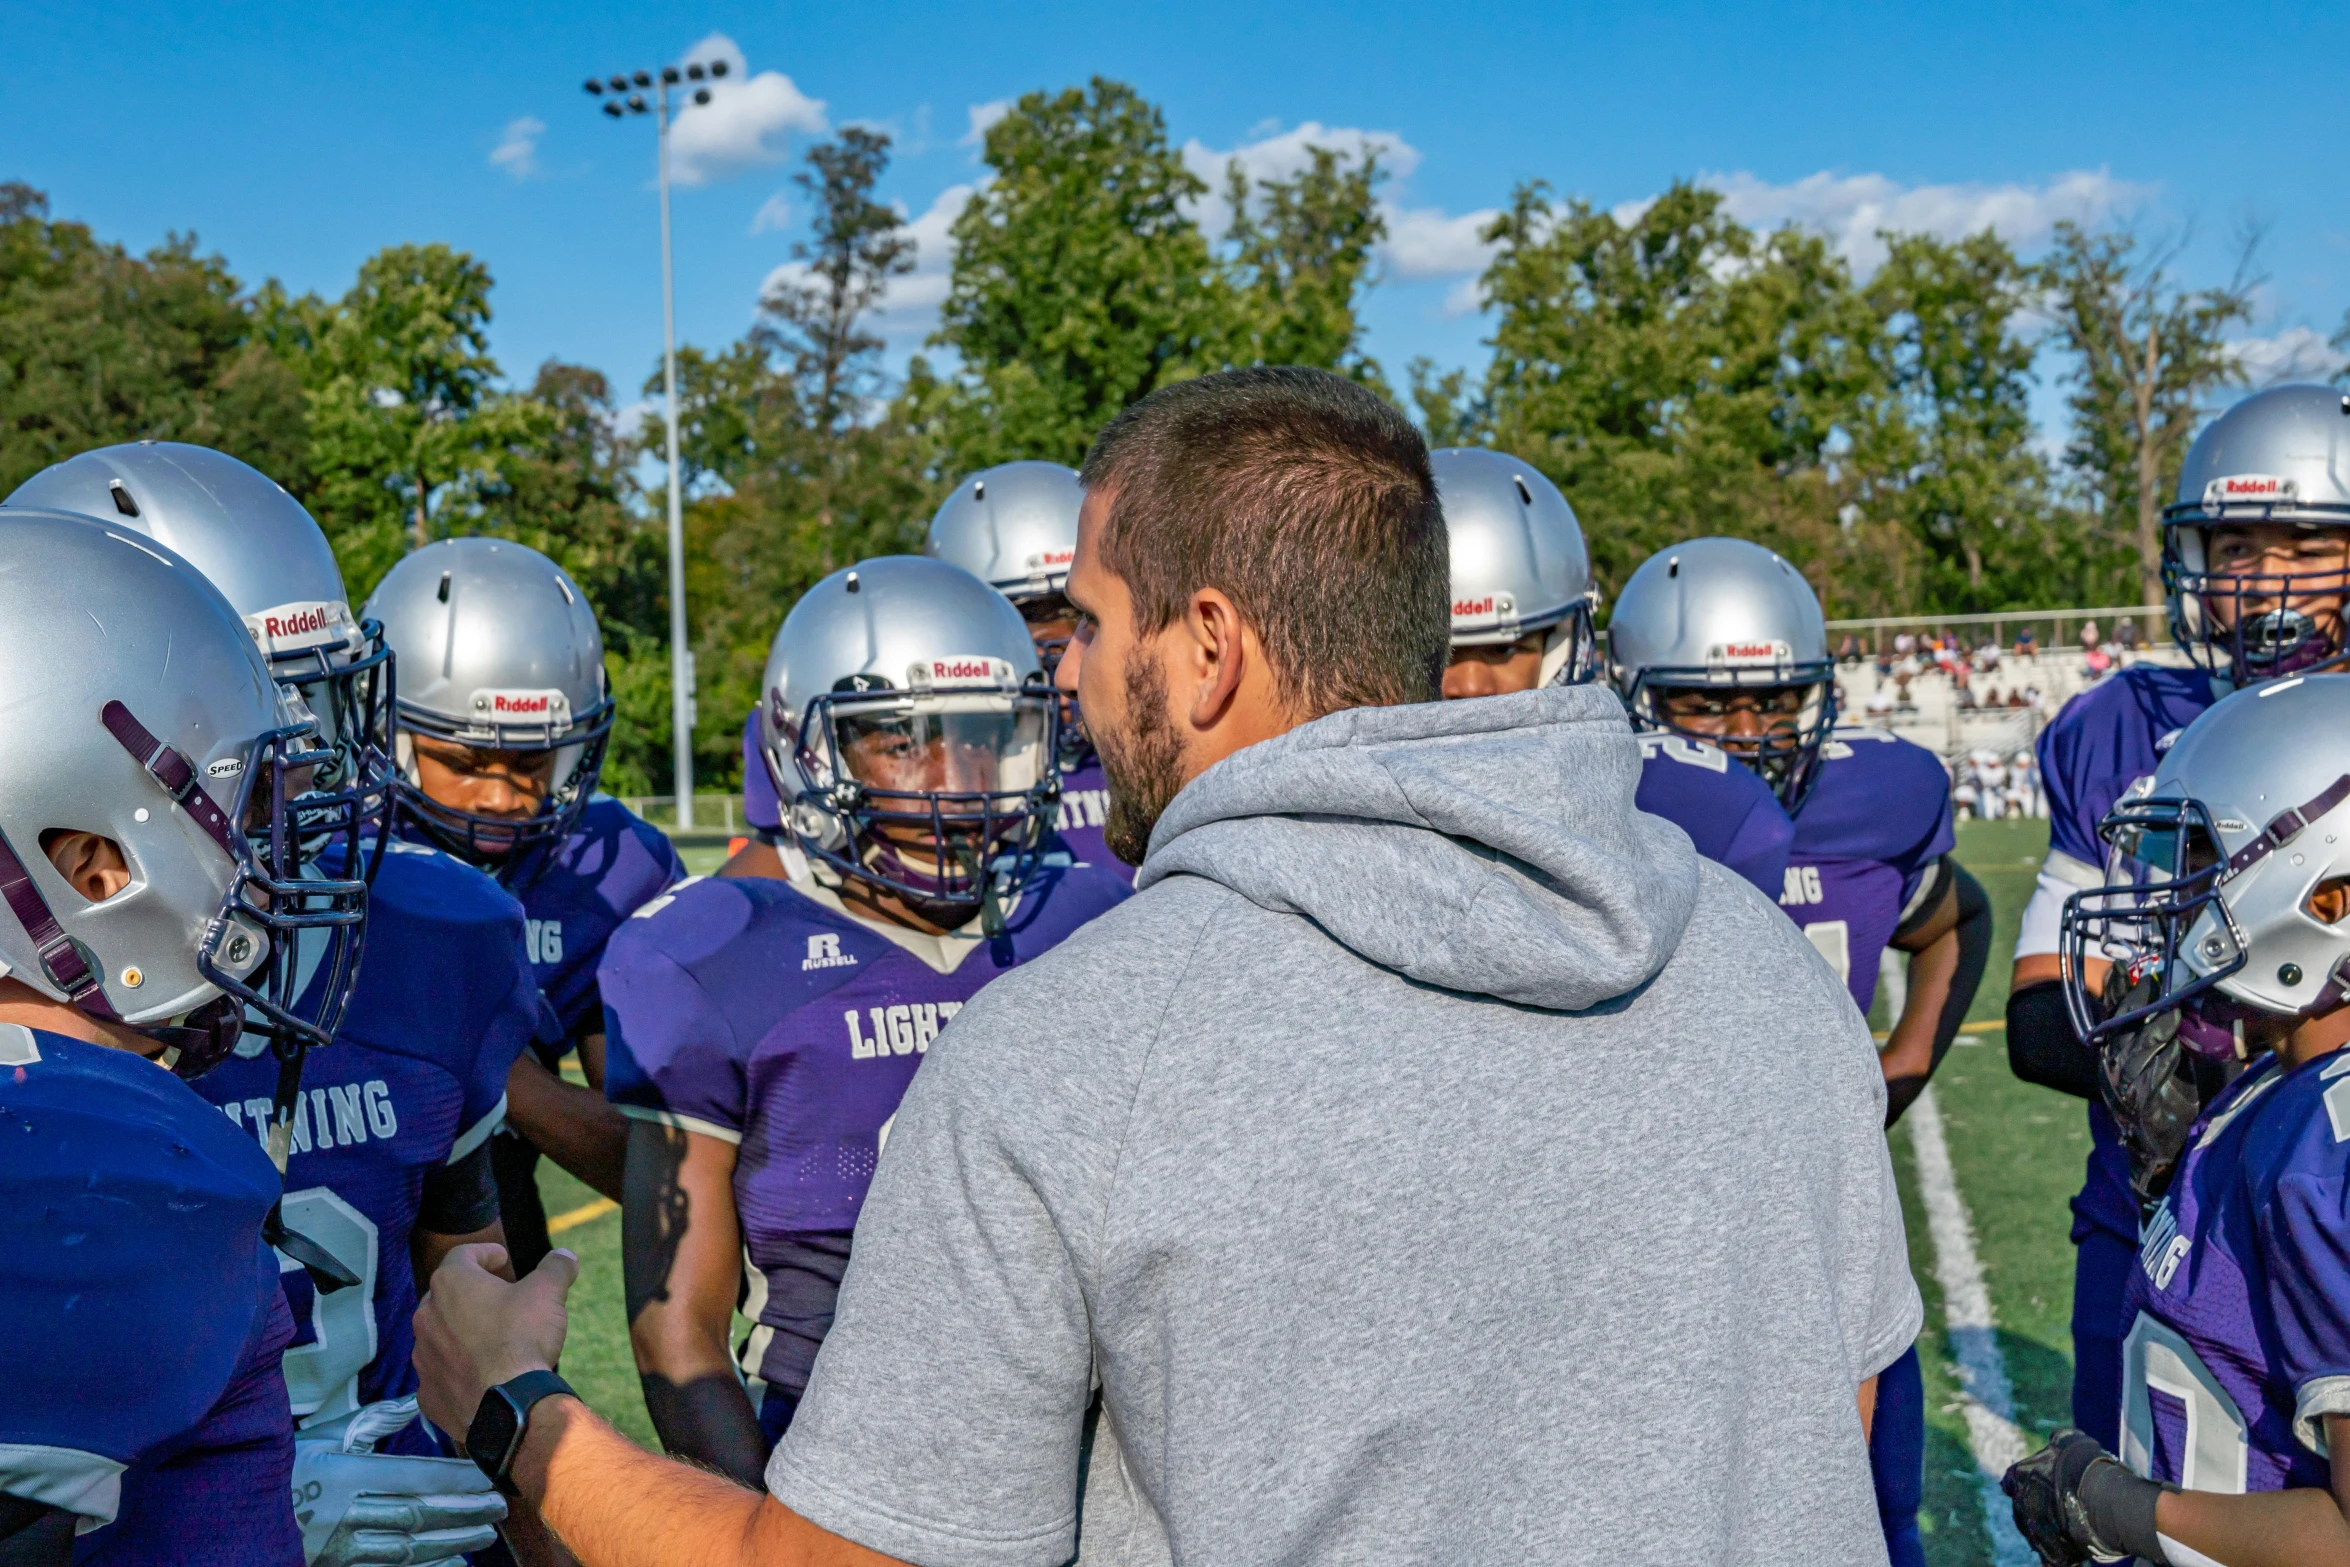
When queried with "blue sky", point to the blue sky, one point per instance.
{"points": [[296, 140]]}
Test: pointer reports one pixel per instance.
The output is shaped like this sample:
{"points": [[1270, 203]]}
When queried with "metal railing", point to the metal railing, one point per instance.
{"points": [[713, 813], [2053, 629]]}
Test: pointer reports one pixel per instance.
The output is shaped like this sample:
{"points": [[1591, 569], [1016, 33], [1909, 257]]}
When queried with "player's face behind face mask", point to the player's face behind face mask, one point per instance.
{"points": [[962, 758], [502, 785], [2277, 586], [1740, 720], [1494, 668]]}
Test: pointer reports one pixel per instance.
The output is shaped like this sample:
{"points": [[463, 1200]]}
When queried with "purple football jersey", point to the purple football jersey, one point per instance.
{"points": [[221, 1496], [761, 809], [133, 1219], [416, 1078], [747, 1010], [1085, 805], [2104, 740], [1872, 826], [1729, 814], [2239, 1308], [575, 896]]}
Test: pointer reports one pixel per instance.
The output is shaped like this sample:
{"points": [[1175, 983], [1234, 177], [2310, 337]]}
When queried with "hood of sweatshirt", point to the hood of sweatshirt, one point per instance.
{"points": [[1488, 846]]}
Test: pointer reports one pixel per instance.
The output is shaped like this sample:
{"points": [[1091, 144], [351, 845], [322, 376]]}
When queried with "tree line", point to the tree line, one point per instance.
{"points": [[1675, 371]]}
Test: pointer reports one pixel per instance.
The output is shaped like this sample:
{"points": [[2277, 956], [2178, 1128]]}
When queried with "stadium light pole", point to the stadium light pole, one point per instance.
{"points": [[627, 96]]}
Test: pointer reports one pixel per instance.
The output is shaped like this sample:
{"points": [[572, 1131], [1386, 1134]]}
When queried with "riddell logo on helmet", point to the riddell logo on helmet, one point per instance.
{"points": [[1052, 558], [961, 669], [293, 626], [1755, 653], [968, 669], [1462, 609], [521, 707], [2241, 487]]}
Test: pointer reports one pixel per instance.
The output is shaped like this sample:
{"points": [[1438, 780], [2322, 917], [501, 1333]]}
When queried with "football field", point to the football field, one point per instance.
{"points": [[2014, 1154]]}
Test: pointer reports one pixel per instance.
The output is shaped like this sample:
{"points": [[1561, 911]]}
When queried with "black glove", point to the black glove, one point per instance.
{"points": [[2149, 1082], [2074, 1502]]}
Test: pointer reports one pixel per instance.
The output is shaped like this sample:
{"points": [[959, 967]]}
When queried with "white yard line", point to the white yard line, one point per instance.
{"points": [[1985, 1395]]}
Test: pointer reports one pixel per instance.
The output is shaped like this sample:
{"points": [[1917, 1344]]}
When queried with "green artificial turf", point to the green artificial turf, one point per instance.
{"points": [[596, 1360]]}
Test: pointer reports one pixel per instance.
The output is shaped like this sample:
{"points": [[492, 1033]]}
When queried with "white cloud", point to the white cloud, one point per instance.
{"points": [[1852, 208], [773, 213], [517, 151], [747, 121], [982, 116], [2296, 354], [1424, 242]]}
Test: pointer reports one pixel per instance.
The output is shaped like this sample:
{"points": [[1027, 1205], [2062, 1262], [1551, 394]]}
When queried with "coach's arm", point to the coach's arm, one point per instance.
{"points": [[611, 1502]]}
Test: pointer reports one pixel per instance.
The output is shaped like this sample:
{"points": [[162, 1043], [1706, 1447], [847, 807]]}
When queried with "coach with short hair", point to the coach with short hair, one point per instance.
{"points": [[1437, 1161]]}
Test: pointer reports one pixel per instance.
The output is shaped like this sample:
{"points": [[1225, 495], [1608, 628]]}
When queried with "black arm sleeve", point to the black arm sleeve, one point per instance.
{"points": [[34, 1534], [2041, 1045], [1974, 954], [460, 1198], [1928, 901]]}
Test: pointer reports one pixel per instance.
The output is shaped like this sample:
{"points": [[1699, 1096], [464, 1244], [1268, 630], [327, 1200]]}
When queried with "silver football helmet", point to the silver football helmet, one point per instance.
{"points": [[500, 650], [910, 734], [270, 560], [141, 710], [2279, 456], [1013, 526], [1736, 624], [1519, 565], [2226, 872]]}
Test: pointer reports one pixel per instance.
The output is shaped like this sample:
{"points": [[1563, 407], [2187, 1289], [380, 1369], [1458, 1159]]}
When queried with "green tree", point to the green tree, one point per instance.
{"points": [[798, 467], [408, 425], [1299, 254], [1678, 375], [859, 245], [1080, 284], [1950, 451], [2147, 355], [98, 346]]}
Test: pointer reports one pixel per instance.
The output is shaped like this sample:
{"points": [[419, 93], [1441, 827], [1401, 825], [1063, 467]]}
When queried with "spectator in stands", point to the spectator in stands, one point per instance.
{"points": [[2027, 643], [2089, 636]]}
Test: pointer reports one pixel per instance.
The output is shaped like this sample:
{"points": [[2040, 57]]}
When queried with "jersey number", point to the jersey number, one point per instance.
{"points": [[545, 940], [322, 1376], [2157, 1360]]}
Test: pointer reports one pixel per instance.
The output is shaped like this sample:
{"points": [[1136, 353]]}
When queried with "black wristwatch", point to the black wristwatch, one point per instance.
{"points": [[498, 1425]]}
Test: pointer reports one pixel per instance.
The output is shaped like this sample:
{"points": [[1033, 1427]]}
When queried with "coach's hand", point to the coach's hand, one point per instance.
{"points": [[476, 1328]]}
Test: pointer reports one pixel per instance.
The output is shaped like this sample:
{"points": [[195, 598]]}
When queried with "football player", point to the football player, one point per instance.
{"points": [[2226, 932], [503, 716], [762, 1030], [1722, 642], [1014, 526], [1521, 617], [161, 900], [2256, 563], [388, 1163]]}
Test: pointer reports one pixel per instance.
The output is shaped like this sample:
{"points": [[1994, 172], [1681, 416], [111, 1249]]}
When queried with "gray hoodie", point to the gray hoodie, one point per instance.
{"points": [[1437, 1162]]}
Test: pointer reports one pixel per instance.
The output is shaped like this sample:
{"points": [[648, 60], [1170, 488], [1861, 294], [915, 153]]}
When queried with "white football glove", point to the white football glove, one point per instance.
{"points": [[365, 1509]]}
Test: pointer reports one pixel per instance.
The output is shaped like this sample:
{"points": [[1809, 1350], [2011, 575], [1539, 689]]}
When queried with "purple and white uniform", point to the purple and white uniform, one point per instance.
{"points": [[762, 1013], [1729, 814], [2239, 1307], [139, 1383], [1866, 838], [575, 896], [2105, 739], [415, 1080]]}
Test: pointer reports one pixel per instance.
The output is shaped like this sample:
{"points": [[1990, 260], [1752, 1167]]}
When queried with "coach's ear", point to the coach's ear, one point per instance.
{"points": [[92, 865]]}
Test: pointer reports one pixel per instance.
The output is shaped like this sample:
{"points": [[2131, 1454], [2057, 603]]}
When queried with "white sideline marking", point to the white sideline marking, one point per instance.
{"points": [[1985, 1396]]}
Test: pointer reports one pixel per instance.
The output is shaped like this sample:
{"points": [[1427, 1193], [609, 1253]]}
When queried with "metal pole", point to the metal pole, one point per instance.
{"points": [[681, 697]]}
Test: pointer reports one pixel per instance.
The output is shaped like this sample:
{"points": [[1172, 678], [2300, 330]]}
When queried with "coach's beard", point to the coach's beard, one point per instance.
{"points": [[1143, 763]]}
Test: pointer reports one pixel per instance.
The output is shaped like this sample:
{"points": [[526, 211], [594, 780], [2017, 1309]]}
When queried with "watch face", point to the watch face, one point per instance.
{"points": [[489, 1441]]}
